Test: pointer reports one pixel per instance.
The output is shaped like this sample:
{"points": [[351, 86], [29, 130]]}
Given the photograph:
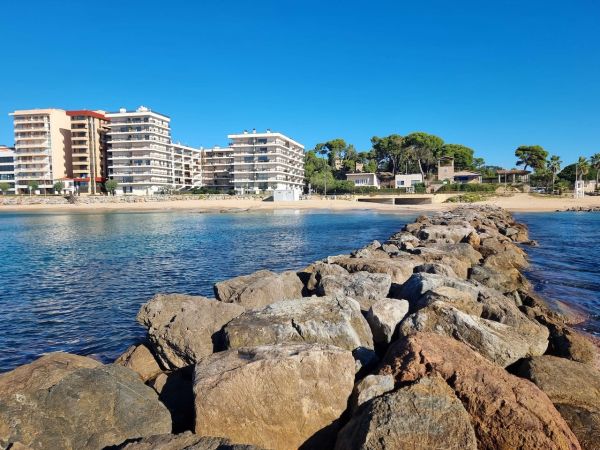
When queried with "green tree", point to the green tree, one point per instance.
{"points": [[424, 149], [314, 164], [4, 187], [33, 186], [333, 150], [389, 149], [582, 167], [533, 156], [58, 187], [111, 186], [595, 163], [463, 156], [553, 165]]}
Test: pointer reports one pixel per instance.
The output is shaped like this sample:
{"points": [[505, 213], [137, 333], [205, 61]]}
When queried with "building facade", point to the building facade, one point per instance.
{"points": [[7, 168], [364, 179], [266, 162], [42, 148], [408, 181], [187, 172], [88, 146], [142, 158], [217, 169]]}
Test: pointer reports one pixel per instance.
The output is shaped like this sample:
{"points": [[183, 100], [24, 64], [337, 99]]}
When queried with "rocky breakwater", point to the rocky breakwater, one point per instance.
{"points": [[432, 339]]}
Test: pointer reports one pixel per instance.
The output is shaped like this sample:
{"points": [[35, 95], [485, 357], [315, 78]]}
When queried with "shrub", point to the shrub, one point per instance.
{"points": [[468, 187]]}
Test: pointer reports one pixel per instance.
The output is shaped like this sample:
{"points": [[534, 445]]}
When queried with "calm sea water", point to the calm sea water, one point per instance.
{"points": [[566, 266], [75, 282]]}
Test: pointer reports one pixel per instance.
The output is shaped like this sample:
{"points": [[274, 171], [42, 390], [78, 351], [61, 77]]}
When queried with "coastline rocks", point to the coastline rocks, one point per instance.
{"points": [[139, 359], [316, 271], [506, 280], [419, 283], [399, 270], [500, 343], [422, 416], [64, 401], [43, 373], [370, 387], [574, 388], [279, 397], [185, 441], [184, 328], [384, 316], [445, 233], [506, 411], [364, 287], [259, 289], [323, 320]]}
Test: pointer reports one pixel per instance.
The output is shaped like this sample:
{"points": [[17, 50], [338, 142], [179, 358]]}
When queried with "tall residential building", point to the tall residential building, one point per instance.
{"points": [[217, 168], [142, 158], [266, 162], [42, 148], [88, 144], [186, 167], [7, 168]]}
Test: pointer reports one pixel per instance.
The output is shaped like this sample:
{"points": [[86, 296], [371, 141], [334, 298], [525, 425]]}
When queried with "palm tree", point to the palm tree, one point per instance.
{"points": [[582, 167], [554, 166], [595, 163]]}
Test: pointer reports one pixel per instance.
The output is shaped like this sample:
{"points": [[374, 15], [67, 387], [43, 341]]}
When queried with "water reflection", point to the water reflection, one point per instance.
{"points": [[75, 282]]}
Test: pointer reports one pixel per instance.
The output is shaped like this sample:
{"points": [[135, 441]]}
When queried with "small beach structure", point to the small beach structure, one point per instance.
{"points": [[364, 179]]}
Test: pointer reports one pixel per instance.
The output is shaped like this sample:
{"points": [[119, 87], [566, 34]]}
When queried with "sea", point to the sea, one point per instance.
{"points": [[75, 281]]}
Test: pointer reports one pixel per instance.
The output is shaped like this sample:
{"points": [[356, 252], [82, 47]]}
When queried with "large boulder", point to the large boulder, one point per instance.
{"points": [[279, 397], [260, 288], [399, 269], [370, 387], [364, 287], [574, 388], [184, 328], [422, 416], [63, 401], [141, 360], [419, 283], [314, 272], [445, 233], [185, 441], [323, 320], [384, 316], [506, 411], [500, 343], [503, 280]]}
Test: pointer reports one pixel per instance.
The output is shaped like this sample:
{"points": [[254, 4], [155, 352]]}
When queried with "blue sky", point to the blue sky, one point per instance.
{"points": [[490, 75]]}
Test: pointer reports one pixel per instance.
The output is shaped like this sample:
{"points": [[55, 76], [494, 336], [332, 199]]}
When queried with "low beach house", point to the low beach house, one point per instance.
{"points": [[408, 181], [364, 179]]}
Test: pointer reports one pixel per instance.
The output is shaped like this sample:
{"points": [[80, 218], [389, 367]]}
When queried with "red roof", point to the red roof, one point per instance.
{"points": [[85, 112]]}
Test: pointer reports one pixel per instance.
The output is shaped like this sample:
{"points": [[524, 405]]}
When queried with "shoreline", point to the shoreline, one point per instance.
{"points": [[441, 310], [514, 203]]}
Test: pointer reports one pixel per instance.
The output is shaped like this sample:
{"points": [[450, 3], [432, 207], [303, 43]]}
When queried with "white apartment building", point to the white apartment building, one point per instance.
{"points": [[7, 168], [217, 168], [142, 158], [266, 162], [187, 171], [42, 148]]}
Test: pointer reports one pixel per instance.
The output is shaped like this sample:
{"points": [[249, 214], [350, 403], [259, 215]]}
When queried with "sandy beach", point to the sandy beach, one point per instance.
{"points": [[517, 202]]}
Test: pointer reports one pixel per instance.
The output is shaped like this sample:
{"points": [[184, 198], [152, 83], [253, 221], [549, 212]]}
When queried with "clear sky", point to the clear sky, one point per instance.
{"points": [[490, 75]]}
